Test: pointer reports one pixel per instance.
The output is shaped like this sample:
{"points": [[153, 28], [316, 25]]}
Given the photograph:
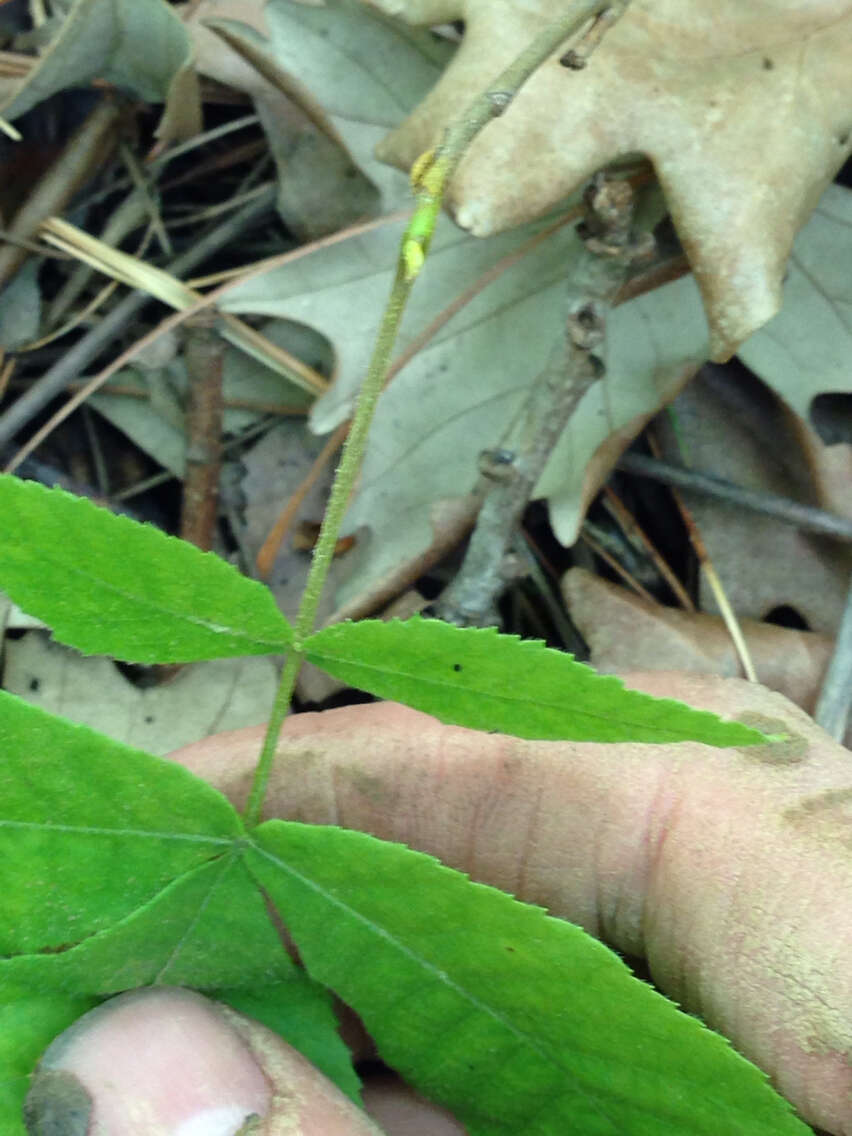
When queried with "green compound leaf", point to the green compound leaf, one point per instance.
{"points": [[108, 585], [206, 929], [517, 1022], [91, 829], [479, 678]]}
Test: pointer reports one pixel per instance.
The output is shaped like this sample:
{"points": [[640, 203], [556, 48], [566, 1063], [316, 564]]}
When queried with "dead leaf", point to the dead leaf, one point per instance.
{"points": [[729, 425], [745, 111], [359, 70], [458, 394], [364, 70], [20, 307], [283, 123], [214, 58], [625, 632], [733, 428], [804, 352], [273, 468], [461, 393], [139, 45], [200, 700], [155, 422], [321, 189]]}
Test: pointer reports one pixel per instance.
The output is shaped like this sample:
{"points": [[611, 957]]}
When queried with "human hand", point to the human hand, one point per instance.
{"points": [[728, 870], [163, 1061]]}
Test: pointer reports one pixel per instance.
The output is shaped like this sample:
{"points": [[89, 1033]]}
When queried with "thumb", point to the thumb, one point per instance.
{"points": [[169, 1062]]}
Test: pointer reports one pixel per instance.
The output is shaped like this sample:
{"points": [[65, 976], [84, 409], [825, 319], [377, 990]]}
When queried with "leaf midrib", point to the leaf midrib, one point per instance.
{"points": [[439, 976], [134, 833], [516, 701]]}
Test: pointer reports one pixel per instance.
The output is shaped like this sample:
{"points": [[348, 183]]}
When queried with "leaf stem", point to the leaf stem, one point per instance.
{"points": [[344, 480], [429, 176]]}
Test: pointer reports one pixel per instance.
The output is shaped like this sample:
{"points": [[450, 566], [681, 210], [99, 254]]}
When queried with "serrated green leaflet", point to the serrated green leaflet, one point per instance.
{"points": [[479, 678], [518, 1022], [28, 1024], [108, 585], [90, 829]]}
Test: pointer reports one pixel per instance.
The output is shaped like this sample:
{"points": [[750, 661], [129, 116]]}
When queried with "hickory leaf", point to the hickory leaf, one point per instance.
{"points": [[209, 928], [479, 678], [118, 870], [492, 1007], [108, 585]]}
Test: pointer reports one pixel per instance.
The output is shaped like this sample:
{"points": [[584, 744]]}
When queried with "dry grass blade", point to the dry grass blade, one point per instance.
{"points": [[137, 273], [637, 535], [726, 611]]}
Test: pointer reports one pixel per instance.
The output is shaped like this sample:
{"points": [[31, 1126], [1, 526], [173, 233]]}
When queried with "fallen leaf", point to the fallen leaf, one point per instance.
{"points": [[320, 189], [20, 307], [803, 352], [214, 58], [140, 45], [364, 73], [461, 392], [457, 396], [626, 633], [201, 699], [358, 70], [730, 425], [745, 111], [155, 421]]}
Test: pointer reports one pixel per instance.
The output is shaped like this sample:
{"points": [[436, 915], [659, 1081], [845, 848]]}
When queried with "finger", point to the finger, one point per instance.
{"points": [[167, 1062], [401, 1112], [729, 870]]}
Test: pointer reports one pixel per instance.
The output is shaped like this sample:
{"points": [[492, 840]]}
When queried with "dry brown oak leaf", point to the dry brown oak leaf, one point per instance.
{"points": [[744, 109], [729, 870]]}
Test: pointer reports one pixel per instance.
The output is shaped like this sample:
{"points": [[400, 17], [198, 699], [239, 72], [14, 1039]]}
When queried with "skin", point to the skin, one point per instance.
{"points": [[168, 1062], [729, 870]]}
